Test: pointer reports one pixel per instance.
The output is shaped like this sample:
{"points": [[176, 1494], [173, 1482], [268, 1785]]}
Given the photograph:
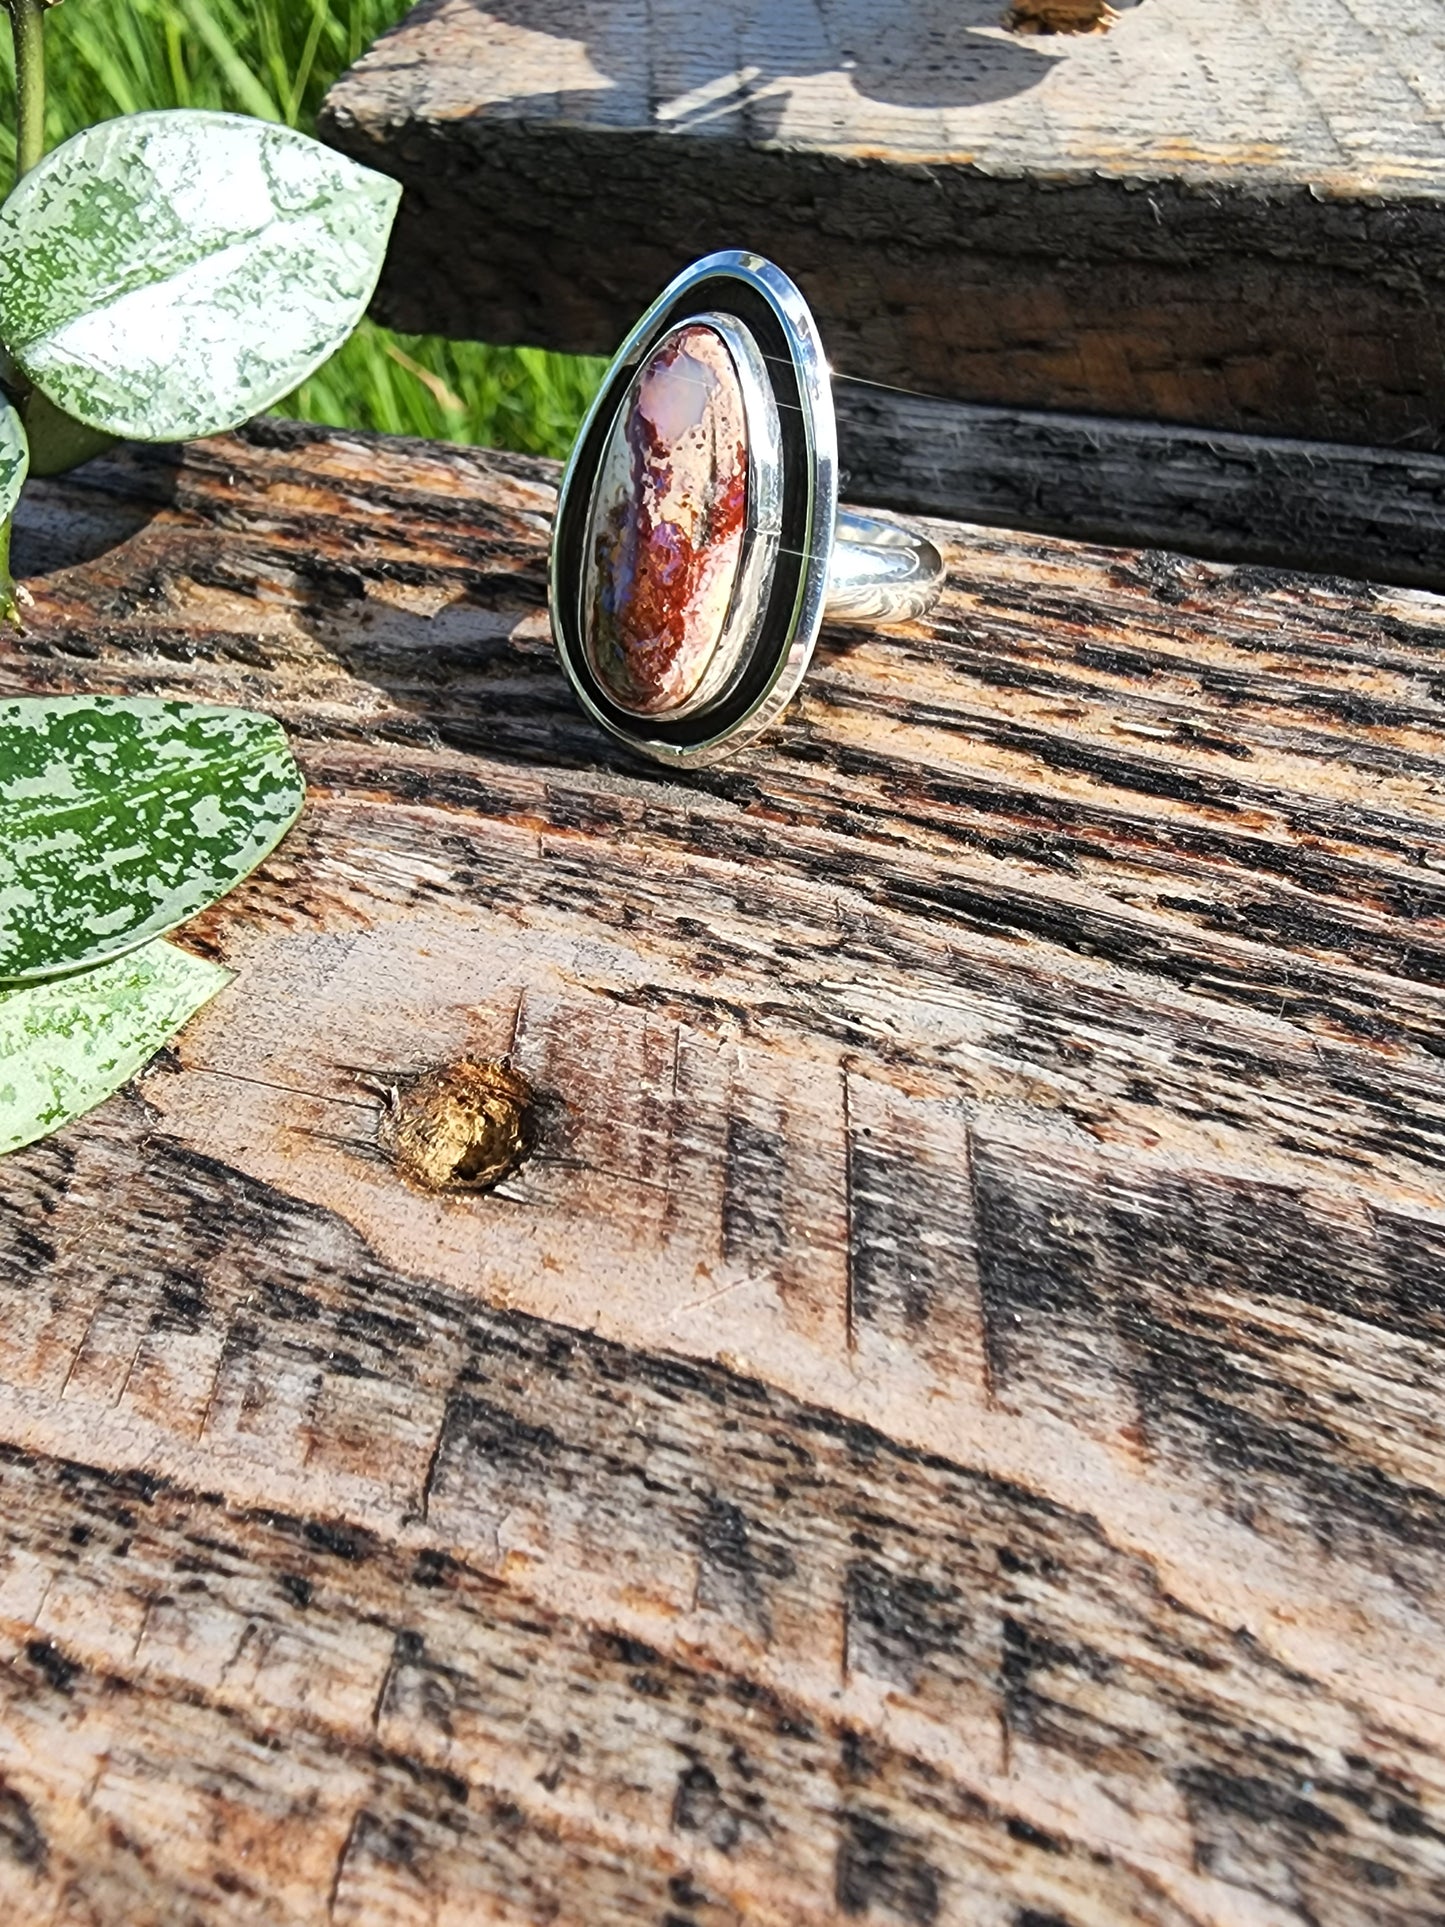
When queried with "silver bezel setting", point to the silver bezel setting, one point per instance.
{"points": [[778, 600]]}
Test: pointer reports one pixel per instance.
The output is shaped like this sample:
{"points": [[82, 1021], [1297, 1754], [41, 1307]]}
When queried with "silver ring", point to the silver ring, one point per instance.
{"points": [[698, 545]]}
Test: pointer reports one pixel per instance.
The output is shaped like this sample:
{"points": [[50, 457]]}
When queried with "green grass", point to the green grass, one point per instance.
{"points": [[276, 58]]}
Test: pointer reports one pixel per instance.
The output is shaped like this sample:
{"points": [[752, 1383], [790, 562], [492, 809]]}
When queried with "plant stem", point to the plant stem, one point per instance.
{"points": [[9, 599], [27, 23]]}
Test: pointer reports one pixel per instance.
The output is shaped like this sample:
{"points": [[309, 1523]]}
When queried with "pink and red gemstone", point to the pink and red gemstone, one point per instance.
{"points": [[668, 521]]}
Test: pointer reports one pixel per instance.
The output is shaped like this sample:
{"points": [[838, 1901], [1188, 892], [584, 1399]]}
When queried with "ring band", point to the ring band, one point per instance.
{"points": [[698, 544], [880, 571]]}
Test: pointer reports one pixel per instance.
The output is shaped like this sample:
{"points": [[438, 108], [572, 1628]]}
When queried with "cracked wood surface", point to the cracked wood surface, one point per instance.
{"points": [[943, 1427], [1223, 212]]}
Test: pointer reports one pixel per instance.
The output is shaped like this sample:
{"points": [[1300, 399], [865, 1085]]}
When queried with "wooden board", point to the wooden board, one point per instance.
{"points": [[945, 1426], [1327, 506], [1226, 212]]}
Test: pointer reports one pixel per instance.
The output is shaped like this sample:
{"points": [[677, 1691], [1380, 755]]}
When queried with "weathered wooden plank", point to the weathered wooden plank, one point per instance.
{"points": [[1225, 212], [630, 1629], [943, 1427], [1373, 512]]}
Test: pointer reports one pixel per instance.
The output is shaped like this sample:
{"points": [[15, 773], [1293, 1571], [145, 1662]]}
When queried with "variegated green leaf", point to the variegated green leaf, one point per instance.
{"points": [[14, 459], [171, 274], [67, 1044], [121, 818]]}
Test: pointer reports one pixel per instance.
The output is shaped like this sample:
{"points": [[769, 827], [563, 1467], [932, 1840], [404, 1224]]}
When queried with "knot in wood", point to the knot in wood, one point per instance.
{"points": [[1060, 16], [464, 1127]]}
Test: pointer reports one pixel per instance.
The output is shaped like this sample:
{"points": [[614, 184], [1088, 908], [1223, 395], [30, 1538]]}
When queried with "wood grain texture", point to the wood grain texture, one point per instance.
{"points": [[944, 1425], [1372, 512], [1224, 212]]}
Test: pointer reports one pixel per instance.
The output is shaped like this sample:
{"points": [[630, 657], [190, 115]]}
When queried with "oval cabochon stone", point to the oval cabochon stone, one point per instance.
{"points": [[669, 516]]}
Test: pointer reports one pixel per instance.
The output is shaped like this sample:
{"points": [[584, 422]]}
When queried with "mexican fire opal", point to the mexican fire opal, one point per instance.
{"points": [[668, 520]]}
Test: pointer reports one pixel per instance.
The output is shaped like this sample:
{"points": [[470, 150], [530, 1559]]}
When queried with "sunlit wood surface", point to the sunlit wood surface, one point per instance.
{"points": [[946, 1424]]}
